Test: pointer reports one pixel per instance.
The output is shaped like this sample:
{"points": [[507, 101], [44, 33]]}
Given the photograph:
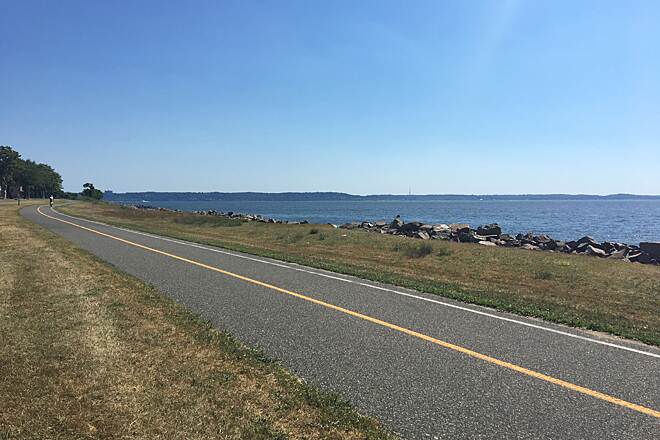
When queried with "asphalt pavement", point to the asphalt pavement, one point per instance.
{"points": [[427, 367]]}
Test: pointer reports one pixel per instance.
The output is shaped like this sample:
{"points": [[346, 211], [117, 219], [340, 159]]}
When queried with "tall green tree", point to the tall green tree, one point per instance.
{"points": [[48, 180], [91, 192], [26, 175], [9, 160], [19, 177]]}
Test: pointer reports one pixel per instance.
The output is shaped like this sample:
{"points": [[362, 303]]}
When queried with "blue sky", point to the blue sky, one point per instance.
{"points": [[362, 97]]}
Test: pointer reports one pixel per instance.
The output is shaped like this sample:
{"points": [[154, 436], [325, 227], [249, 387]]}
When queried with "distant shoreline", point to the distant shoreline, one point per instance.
{"points": [[338, 196]]}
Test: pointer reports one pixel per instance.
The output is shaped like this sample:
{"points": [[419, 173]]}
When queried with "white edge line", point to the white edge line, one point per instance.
{"points": [[360, 283]]}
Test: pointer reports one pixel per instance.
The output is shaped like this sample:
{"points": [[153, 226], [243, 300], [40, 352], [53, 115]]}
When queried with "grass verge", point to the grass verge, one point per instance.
{"points": [[89, 352], [597, 294]]}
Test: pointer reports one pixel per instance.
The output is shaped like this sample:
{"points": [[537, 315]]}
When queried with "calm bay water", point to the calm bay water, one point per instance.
{"points": [[629, 221]]}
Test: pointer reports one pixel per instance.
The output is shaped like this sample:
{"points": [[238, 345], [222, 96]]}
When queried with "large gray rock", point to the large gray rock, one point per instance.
{"points": [[543, 238], [642, 257], [512, 243], [591, 250], [492, 229], [588, 241], [465, 237], [459, 227], [618, 255], [582, 247], [410, 227], [442, 235], [549, 245], [651, 248], [441, 228], [608, 247], [496, 240], [566, 248], [423, 235], [471, 237]]}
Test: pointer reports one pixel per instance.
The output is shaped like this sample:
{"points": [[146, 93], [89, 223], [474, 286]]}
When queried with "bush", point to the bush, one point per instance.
{"points": [[443, 251], [296, 237], [418, 250], [313, 231], [543, 275]]}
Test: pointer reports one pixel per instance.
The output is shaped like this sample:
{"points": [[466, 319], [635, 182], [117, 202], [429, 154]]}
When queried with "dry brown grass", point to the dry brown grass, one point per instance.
{"points": [[88, 352], [604, 295]]}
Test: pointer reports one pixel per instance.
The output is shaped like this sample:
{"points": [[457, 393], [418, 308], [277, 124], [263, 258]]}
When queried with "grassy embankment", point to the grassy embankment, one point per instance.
{"points": [[89, 352], [610, 296]]}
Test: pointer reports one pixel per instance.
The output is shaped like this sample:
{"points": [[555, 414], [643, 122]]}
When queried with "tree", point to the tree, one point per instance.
{"points": [[49, 181], [35, 179], [91, 192], [26, 175], [9, 160]]}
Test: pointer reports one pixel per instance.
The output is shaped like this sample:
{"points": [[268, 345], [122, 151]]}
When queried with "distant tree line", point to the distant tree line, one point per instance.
{"points": [[336, 196], [26, 178]]}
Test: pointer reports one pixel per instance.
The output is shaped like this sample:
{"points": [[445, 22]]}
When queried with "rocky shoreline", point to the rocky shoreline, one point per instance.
{"points": [[491, 235], [230, 214], [486, 235]]}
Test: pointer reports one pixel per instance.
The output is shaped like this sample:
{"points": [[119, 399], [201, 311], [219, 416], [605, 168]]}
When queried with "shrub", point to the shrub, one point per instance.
{"points": [[313, 231], [418, 250], [294, 238], [443, 251], [543, 275]]}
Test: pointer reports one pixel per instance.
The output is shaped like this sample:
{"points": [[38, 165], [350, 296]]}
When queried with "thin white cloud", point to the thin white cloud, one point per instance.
{"points": [[500, 26]]}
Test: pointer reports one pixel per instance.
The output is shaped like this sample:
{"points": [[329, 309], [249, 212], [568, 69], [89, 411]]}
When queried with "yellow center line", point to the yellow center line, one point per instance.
{"points": [[448, 345]]}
